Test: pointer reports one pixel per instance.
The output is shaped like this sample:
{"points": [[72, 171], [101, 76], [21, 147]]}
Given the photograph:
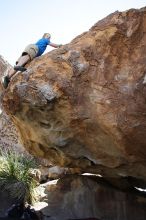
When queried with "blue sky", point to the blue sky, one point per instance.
{"points": [[24, 21]]}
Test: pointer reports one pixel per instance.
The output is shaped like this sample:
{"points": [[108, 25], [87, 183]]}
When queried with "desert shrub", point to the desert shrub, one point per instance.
{"points": [[15, 176]]}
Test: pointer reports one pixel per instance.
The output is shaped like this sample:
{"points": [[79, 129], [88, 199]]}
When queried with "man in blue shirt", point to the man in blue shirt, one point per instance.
{"points": [[29, 53]]}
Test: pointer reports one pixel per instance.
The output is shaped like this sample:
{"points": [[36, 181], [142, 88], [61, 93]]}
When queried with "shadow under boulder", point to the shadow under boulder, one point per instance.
{"points": [[82, 197]]}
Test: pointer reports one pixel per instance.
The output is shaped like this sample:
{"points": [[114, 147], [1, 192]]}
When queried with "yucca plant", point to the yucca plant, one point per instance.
{"points": [[15, 176]]}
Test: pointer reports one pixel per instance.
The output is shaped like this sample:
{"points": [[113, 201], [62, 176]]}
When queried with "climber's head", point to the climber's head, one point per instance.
{"points": [[47, 35]]}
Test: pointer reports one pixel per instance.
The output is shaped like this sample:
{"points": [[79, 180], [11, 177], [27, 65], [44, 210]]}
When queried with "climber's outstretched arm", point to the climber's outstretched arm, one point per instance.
{"points": [[55, 45]]}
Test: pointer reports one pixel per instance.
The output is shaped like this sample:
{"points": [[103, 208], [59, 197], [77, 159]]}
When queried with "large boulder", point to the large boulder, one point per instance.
{"points": [[84, 105]]}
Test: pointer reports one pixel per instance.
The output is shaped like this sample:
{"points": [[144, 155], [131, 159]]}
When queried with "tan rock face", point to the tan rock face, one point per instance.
{"points": [[84, 105]]}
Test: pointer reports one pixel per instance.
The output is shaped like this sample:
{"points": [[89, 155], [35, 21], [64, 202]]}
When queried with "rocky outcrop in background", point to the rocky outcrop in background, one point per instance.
{"points": [[9, 136], [4, 66]]}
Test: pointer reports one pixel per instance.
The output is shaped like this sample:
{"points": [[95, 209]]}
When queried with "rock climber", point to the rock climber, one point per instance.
{"points": [[29, 53]]}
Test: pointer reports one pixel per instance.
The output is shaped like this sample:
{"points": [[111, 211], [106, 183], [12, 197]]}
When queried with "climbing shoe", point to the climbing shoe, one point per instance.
{"points": [[5, 81], [19, 68]]}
